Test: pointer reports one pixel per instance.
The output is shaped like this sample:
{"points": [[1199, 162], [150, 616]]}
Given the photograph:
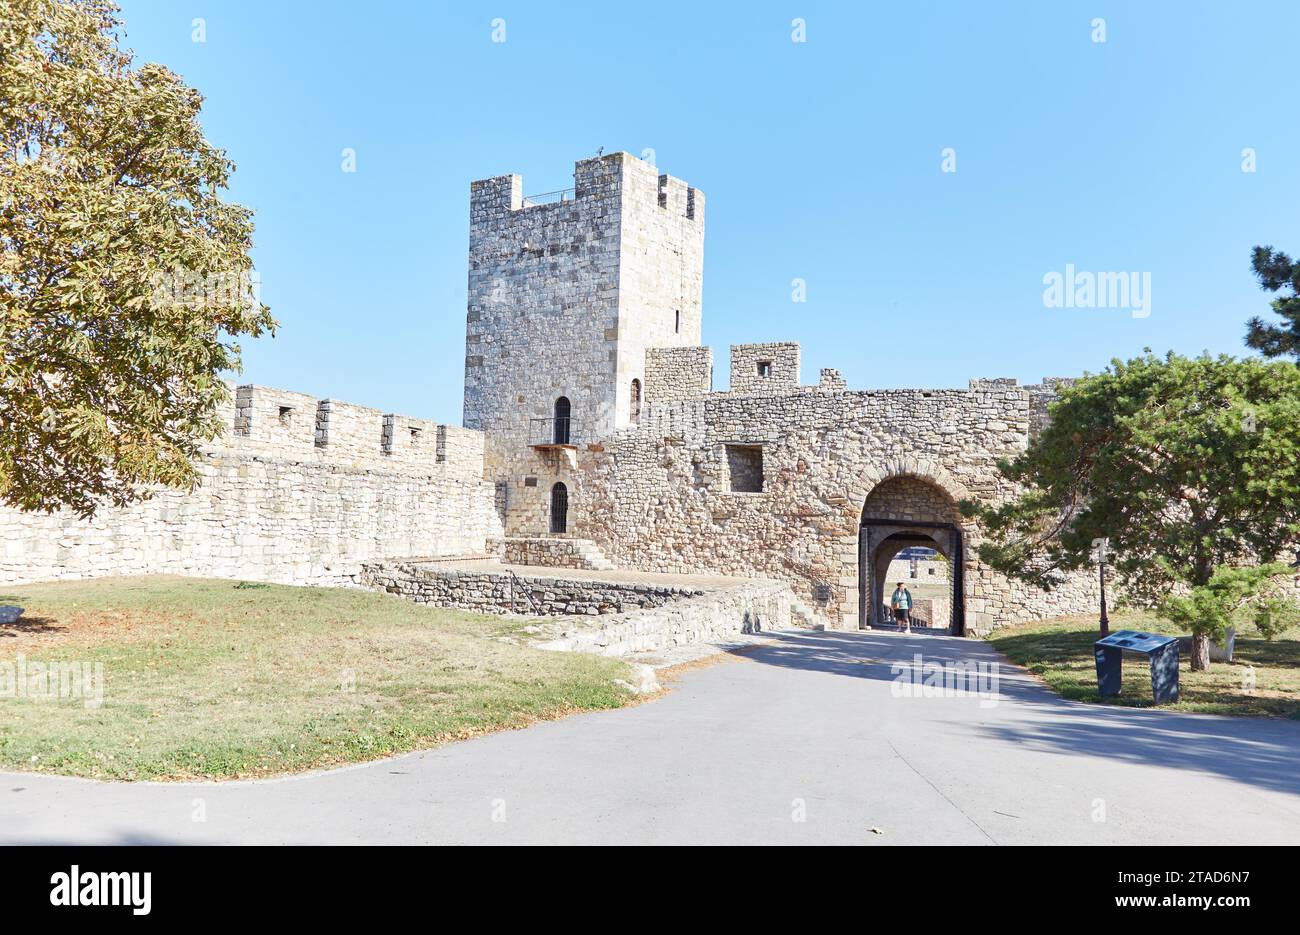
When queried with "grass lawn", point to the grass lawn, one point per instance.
{"points": [[1059, 651], [223, 679]]}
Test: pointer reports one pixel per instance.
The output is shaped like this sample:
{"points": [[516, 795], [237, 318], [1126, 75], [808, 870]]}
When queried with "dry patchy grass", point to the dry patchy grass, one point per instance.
{"points": [[219, 679], [1262, 679]]}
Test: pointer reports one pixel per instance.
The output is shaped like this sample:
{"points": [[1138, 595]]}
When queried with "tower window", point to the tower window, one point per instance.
{"points": [[562, 410], [286, 414], [764, 368], [559, 508], [636, 401], [677, 321]]}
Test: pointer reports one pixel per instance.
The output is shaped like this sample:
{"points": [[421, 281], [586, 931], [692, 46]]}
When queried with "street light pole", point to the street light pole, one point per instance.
{"points": [[1101, 576]]}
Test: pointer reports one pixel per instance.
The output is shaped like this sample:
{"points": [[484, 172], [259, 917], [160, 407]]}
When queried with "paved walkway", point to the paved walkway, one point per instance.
{"points": [[798, 741]]}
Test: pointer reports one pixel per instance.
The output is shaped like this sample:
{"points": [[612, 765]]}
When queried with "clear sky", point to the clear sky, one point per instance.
{"points": [[821, 160]]}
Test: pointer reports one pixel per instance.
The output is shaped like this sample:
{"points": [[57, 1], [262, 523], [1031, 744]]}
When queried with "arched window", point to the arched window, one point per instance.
{"points": [[559, 508], [562, 409], [636, 401]]}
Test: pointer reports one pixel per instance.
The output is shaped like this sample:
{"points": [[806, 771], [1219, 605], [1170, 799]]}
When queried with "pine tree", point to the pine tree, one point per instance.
{"points": [[1275, 271]]}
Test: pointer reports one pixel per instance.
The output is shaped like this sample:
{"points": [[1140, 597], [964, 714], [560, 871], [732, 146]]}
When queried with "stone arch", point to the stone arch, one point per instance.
{"points": [[910, 503], [921, 468]]}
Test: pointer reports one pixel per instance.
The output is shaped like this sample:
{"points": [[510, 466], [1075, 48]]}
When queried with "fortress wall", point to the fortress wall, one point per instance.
{"points": [[659, 497], [280, 419], [460, 451], [781, 358], [673, 373], [927, 572], [349, 431], [832, 380], [275, 510], [408, 440]]}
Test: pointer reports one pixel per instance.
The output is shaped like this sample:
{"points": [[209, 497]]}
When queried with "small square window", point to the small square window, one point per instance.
{"points": [[745, 465], [415, 437], [764, 368], [530, 481], [286, 413]]}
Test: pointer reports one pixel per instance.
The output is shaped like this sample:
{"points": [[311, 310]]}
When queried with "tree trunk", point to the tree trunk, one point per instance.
{"points": [[1200, 652]]}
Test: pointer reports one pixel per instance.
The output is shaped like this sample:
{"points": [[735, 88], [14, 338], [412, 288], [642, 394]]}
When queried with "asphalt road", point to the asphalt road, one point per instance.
{"points": [[808, 739]]}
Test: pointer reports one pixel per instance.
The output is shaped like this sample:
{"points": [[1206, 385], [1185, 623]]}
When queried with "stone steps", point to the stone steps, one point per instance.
{"points": [[592, 554], [554, 552]]}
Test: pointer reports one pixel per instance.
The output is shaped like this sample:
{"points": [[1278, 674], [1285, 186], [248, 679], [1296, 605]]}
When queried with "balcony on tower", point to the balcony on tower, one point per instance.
{"points": [[559, 432]]}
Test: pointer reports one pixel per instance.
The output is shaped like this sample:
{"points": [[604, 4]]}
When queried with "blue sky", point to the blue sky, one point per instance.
{"points": [[820, 160]]}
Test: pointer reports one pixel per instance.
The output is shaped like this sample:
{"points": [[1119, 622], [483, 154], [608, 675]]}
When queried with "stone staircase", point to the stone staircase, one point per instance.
{"points": [[554, 552]]}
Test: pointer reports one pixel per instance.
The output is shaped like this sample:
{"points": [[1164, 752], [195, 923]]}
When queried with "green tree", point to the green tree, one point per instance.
{"points": [[1275, 272], [1190, 467], [124, 276]]}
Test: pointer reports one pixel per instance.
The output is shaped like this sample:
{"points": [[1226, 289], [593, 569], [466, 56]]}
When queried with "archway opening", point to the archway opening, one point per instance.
{"points": [[919, 563], [562, 413], [910, 532], [559, 508]]}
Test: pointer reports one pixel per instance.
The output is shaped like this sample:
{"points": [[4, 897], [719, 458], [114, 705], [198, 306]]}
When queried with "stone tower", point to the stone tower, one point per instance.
{"points": [[566, 294]]}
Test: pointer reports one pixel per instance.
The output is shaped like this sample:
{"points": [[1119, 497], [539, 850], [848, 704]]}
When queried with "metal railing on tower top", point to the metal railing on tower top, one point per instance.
{"points": [[545, 198]]}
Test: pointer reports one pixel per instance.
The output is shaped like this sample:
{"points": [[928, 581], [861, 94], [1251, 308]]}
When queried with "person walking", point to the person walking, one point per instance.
{"points": [[901, 603]]}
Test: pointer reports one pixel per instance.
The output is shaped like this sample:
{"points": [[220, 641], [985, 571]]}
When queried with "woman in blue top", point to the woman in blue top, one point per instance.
{"points": [[901, 602]]}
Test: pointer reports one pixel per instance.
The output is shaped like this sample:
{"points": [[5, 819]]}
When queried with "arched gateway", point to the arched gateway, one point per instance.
{"points": [[904, 512]]}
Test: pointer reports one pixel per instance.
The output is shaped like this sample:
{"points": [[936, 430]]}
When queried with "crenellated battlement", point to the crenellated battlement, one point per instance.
{"points": [[598, 183], [300, 426], [765, 368]]}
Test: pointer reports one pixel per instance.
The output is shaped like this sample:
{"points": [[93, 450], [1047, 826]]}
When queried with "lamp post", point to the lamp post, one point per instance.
{"points": [[1100, 545]]}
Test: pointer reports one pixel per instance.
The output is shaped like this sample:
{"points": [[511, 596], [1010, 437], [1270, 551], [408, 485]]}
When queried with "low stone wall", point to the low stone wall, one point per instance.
{"points": [[716, 615], [603, 617], [498, 593]]}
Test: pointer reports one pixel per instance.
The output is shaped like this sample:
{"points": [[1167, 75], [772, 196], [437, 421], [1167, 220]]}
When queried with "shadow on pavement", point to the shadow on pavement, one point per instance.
{"points": [[1262, 752]]}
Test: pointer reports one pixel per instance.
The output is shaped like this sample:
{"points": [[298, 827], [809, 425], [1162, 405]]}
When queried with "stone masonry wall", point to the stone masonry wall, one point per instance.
{"points": [[715, 616], [602, 617], [673, 373], [565, 298], [272, 505], [658, 497], [927, 572], [499, 592], [782, 360]]}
